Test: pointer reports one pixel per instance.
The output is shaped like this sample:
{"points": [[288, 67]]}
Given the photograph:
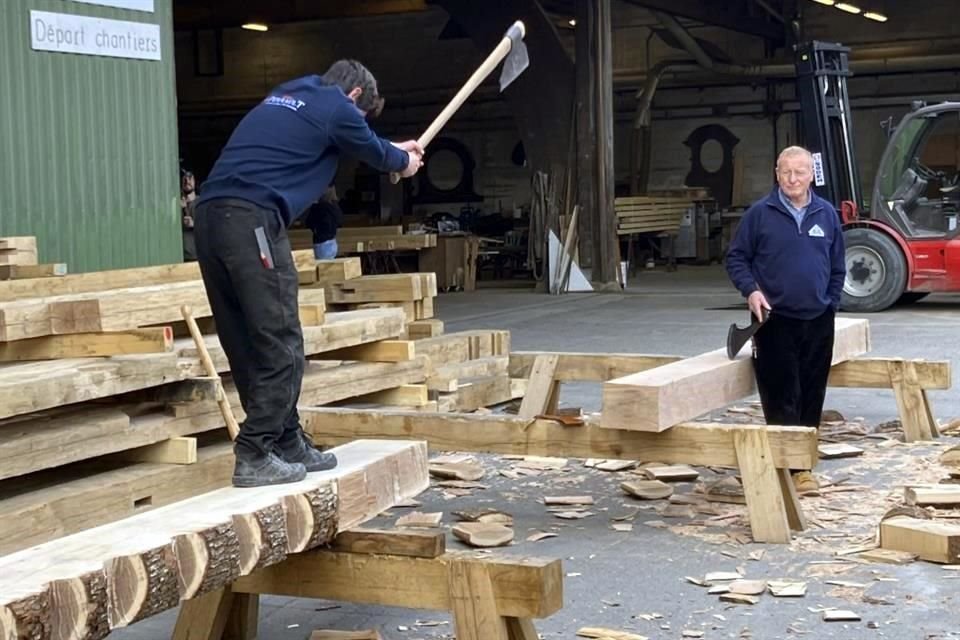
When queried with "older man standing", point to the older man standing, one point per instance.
{"points": [[787, 259]]}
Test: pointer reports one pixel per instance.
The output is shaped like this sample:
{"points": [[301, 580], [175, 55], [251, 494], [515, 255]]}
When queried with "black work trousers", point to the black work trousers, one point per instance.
{"points": [[251, 282], [792, 362]]}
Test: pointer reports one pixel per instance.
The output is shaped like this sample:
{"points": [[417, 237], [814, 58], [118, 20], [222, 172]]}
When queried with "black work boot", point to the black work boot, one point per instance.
{"points": [[301, 450], [258, 470]]}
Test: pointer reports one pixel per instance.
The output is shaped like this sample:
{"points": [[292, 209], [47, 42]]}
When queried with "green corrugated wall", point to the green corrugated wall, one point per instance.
{"points": [[88, 145]]}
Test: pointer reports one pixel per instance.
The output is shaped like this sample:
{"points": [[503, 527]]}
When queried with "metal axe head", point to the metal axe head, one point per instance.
{"points": [[737, 337], [517, 60]]}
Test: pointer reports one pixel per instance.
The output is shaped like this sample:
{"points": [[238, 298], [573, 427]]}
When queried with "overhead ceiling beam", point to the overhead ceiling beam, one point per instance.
{"points": [[720, 14]]}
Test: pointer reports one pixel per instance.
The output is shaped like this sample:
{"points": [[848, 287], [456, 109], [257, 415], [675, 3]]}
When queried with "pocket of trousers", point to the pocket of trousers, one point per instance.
{"points": [[266, 255]]}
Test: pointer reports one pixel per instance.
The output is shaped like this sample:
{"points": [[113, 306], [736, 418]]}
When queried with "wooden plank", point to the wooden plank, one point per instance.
{"points": [[426, 328], [761, 486], [656, 399], [22, 271], [446, 377], [152, 560], [312, 315], [861, 373], [86, 345], [179, 450], [696, 443], [874, 373], [72, 499], [330, 272], [540, 388], [99, 281], [423, 309], [481, 392], [340, 329], [588, 367], [409, 543], [357, 233], [931, 540], [115, 310], [18, 243], [407, 242], [938, 495], [28, 387], [525, 587], [382, 351], [399, 287], [473, 603], [408, 395]]}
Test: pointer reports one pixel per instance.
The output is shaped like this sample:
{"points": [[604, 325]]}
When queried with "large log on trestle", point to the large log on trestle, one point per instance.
{"points": [[87, 584]]}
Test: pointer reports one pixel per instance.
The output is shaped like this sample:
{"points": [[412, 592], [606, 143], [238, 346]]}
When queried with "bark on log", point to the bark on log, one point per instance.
{"points": [[79, 607], [262, 536], [208, 559], [312, 518], [142, 585]]}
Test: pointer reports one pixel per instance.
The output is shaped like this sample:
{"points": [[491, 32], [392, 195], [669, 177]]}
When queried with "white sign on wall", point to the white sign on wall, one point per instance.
{"points": [[66, 33], [136, 5], [819, 180]]}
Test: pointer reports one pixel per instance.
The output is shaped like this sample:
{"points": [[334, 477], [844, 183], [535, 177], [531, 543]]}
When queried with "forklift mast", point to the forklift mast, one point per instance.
{"points": [[825, 119]]}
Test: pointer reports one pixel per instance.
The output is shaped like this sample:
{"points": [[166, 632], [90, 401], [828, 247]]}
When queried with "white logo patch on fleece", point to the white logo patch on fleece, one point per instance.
{"points": [[815, 231]]}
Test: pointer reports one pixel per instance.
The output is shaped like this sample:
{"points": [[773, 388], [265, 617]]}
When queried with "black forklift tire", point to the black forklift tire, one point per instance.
{"points": [[883, 248], [909, 297]]}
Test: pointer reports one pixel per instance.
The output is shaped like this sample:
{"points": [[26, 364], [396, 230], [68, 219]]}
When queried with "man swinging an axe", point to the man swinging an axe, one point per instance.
{"points": [[279, 160]]}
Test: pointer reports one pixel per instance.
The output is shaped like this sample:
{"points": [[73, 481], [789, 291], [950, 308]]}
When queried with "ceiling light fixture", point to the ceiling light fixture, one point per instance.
{"points": [[849, 8], [255, 26], [572, 22], [879, 17], [829, 3]]}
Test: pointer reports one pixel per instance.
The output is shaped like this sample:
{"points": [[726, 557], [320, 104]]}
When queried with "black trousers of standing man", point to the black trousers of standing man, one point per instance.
{"points": [[792, 363], [251, 281]]}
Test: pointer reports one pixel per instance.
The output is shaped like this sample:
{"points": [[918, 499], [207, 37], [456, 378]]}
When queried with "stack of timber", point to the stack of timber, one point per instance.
{"points": [[90, 583], [415, 293], [647, 214], [18, 260], [347, 288], [106, 411], [357, 240]]}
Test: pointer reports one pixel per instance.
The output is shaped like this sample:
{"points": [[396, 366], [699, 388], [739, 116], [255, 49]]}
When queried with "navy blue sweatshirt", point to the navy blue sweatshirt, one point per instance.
{"points": [[284, 153], [799, 268]]}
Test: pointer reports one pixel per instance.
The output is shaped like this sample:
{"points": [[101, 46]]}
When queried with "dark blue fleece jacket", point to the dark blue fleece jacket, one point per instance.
{"points": [[799, 268], [284, 153]]}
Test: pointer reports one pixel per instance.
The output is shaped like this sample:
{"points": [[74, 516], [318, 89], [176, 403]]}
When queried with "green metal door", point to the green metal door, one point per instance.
{"points": [[88, 143]]}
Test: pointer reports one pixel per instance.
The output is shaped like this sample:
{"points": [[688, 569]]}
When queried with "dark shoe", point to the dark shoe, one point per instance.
{"points": [[263, 470], [302, 451]]}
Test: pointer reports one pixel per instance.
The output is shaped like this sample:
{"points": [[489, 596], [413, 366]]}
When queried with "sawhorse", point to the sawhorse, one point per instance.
{"points": [[491, 597]]}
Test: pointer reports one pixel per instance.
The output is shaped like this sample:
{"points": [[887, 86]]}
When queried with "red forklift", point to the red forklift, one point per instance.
{"points": [[906, 245]]}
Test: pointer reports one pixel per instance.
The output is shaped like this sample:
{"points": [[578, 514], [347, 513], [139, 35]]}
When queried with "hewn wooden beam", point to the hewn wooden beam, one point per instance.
{"points": [[707, 444], [656, 399], [87, 345], [523, 586]]}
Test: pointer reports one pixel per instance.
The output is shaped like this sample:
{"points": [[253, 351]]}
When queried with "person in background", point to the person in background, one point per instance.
{"points": [[188, 197], [787, 260], [323, 219]]}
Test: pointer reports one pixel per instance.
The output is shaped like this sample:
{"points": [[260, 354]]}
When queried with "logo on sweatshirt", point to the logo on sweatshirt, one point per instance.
{"points": [[288, 102], [815, 231]]}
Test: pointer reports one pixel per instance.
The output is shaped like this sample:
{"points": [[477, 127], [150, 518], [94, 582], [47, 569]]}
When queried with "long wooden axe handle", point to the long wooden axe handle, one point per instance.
{"points": [[225, 409], [484, 70]]}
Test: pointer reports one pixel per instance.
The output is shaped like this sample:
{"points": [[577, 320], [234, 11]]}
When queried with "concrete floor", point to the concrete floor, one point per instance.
{"points": [[614, 578]]}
